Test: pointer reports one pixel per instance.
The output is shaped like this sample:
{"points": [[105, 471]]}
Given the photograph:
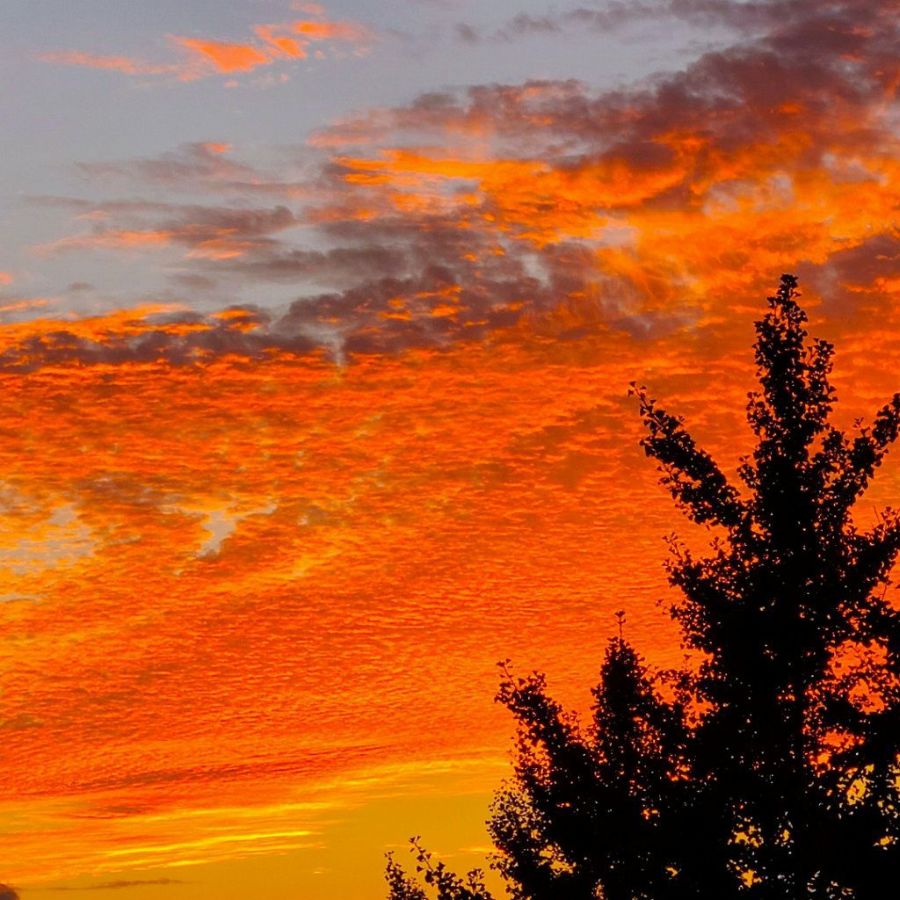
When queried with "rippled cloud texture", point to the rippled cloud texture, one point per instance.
{"points": [[362, 428]]}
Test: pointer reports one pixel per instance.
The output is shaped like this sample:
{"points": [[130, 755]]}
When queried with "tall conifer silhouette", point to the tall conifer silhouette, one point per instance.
{"points": [[774, 771]]}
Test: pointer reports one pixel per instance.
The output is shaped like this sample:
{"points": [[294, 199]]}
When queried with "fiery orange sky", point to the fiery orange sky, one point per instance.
{"points": [[300, 439]]}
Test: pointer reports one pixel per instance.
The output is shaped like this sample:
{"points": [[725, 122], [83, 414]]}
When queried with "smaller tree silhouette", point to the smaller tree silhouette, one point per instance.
{"points": [[586, 806], [446, 884], [772, 770]]}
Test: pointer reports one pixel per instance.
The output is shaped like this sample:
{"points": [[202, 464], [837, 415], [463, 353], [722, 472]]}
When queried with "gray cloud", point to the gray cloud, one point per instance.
{"points": [[205, 231], [196, 167], [746, 16]]}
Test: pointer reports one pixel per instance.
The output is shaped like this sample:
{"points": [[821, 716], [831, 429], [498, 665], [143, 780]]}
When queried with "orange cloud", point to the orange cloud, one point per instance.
{"points": [[109, 240], [282, 45], [23, 304], [352, 32], [445, 484], [224, 246], [227, 57], [6, 278], [124, 64], [278, 42], [302, 537]]}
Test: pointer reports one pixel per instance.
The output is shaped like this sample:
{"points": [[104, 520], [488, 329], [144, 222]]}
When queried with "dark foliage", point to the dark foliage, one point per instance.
{"points": [[771, 771]]}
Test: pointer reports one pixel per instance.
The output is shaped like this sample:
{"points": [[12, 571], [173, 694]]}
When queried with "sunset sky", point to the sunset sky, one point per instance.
{"points": [[316, 329]]}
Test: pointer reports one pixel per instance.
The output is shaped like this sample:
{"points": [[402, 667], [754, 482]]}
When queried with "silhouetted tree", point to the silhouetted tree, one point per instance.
{"points": [[774, 771], [586, 807], [446, 884]]}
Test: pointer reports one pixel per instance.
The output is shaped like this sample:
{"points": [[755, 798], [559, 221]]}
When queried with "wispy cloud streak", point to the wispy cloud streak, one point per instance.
{"points": [[270, 44]]}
